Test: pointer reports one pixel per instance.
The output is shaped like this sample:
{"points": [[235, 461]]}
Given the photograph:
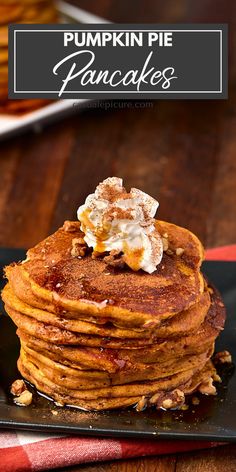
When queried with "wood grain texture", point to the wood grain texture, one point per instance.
{"points": [[32, 169], [182, 152], [222, 459]]}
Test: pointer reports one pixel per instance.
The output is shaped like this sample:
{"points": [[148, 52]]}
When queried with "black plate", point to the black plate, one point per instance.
{"points": [[213, 419]]}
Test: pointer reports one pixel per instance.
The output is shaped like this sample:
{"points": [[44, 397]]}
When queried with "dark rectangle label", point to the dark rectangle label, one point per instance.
{"points": [[118, 61]]}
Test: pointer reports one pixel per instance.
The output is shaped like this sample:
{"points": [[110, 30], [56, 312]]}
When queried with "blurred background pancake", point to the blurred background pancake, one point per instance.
{"points": [[20, 11]]}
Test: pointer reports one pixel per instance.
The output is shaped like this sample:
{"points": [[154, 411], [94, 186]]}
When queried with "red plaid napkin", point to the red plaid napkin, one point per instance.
{"points": [[25, 451]]}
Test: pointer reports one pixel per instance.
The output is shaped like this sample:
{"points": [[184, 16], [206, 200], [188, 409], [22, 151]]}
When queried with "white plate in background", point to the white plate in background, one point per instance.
{"points": [[10, 124]]}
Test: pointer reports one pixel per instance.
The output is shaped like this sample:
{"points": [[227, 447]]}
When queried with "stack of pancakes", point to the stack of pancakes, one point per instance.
{"points": [[20, 11], [99, 337]]}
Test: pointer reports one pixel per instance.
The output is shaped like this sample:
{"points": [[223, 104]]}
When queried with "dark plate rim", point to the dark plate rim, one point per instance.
{"points": [[69, 429]]}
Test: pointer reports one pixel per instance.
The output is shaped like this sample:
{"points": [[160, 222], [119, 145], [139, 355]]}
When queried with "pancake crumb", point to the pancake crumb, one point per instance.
{"points": [[195, 401], [184, 407]]}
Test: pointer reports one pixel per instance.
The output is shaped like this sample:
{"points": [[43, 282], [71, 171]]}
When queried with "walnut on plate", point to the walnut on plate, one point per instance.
{"points": [[207, 387], [174, 399], [223, 357], [18, 387], [24, 399], [22, 396]]}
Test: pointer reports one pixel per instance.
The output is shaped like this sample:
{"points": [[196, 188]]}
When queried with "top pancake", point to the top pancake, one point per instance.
{"points": [[52, 278]]}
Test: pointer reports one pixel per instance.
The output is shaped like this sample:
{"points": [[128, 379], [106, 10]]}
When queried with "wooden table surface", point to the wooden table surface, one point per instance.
{"points": [[182, 152]]}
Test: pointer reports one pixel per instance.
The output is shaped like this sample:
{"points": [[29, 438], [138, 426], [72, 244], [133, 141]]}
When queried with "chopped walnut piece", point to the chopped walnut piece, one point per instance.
{"points": [[165, 243], [115, 259], [71, 226], [24, 399], [223, 357], [173, 399], [169, 252], [167, 403], [79, 247], [141, 405], [207, 387], [216, 377], [179, 251], [153, 400], [18, 387]]}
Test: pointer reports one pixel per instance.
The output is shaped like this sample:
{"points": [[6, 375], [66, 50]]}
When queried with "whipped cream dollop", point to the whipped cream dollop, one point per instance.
{"points": [[113, 219]]}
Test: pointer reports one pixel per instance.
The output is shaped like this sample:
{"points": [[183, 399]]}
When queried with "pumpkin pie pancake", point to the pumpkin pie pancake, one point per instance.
{"points": [[112, 310]]}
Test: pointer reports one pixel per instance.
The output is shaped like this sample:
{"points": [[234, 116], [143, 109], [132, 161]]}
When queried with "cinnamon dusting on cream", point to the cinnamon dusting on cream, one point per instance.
{"points": [[114, 219]]}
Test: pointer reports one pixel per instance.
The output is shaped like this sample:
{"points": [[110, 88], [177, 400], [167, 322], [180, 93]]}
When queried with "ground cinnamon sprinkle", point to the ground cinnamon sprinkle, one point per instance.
{"points": [[119, 213], [113, 193]]}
